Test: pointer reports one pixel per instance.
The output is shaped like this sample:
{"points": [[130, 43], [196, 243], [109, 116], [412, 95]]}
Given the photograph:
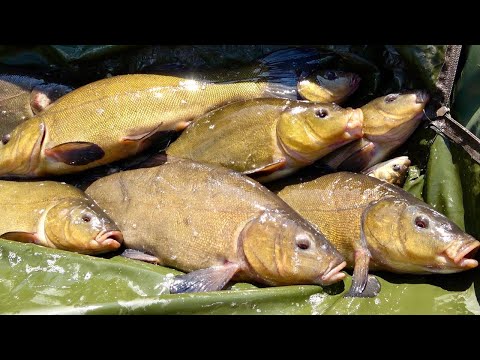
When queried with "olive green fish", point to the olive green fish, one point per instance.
{"points": [[268, 138], [328, 86], [114, 118], [388, 121], [55, 215], [380, 226], [393, 171], [215, 224], [21, 97]]}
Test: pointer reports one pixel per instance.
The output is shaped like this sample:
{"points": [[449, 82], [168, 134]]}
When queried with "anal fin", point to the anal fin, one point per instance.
{"points": [[139, 255], [21, 236]]}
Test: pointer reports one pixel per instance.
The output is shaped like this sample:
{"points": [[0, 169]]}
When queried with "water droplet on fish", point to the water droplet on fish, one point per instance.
{"points": [[4, 111], [195, 233], [183, 101], [134, 226], [211, 127], [203, 86]]}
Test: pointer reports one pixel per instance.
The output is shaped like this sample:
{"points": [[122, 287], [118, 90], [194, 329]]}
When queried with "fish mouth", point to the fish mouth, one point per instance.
{"points": [[354, 127], [112, 239], [465, 256], [422, 97], [332, 274]]}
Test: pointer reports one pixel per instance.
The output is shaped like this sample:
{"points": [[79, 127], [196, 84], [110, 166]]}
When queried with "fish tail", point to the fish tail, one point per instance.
{"points": [[284, 67]]}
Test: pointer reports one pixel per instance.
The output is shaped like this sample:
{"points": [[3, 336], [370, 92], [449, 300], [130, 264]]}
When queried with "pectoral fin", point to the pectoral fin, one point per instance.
{"points": [[76, 153], [139, 255], [360, 159], [21, 236], [211, 279], [363, 285], [267, 169]]}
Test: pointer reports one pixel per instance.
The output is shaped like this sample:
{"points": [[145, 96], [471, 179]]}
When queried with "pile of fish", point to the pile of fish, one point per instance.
{"points": [[213, 204]]}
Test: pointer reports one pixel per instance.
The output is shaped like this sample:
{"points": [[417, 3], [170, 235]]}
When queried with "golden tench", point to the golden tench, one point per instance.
{"points": [[268, 138], [215, 224], [55, 215], [393, 171], [380, 226], [388, 121]]}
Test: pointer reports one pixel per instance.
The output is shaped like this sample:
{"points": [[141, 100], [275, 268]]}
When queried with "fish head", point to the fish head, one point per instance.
{"points": [[328, 86], [80, 225], [394, 117], [393, 171], [308, 131], [412, 237], [283, 248], [20, 150]]}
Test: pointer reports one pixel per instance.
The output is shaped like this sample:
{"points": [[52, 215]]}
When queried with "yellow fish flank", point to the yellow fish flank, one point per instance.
{"points": [[55, 215], [216, 224]]}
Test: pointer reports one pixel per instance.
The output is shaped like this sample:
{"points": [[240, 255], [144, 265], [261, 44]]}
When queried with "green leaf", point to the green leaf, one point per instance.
{"points": [[466, 110], [414, 182], [443, 189]]}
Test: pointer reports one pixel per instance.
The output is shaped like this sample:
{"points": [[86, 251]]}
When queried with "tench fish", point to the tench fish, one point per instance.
{"points": [[393, 171], [21, 97], [388, 121], [328, 86], [55, 215], [114, 118], [215, 224], [268, 138], [380, 226]]}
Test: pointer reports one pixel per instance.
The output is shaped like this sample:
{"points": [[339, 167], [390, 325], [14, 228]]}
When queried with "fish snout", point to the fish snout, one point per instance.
{"points": [[422, 97], [463, 256], [112, 239], [354, 127], [333, 273]]}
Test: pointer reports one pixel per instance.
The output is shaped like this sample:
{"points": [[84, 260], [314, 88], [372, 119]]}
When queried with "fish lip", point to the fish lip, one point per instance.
{"points": [[354, 127], [471, 249], [332, 275], [112, 238], [422, 97]]}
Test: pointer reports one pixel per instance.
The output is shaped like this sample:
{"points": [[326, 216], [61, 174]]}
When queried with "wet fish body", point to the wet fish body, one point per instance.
{"points": [[388, 122], [217, 225], [55, 215], [268, 138], [380, 226]]}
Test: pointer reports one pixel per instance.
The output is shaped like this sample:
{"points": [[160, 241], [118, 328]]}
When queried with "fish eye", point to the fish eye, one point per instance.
{"points": [[86, 218], [321, 113], [5, 139], [303, 243], [396, 167], [421, 222], [330, 75], [391, 97]]}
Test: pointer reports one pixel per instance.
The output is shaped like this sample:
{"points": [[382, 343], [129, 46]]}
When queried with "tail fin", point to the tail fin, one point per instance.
{"points": [[283, 68]]}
